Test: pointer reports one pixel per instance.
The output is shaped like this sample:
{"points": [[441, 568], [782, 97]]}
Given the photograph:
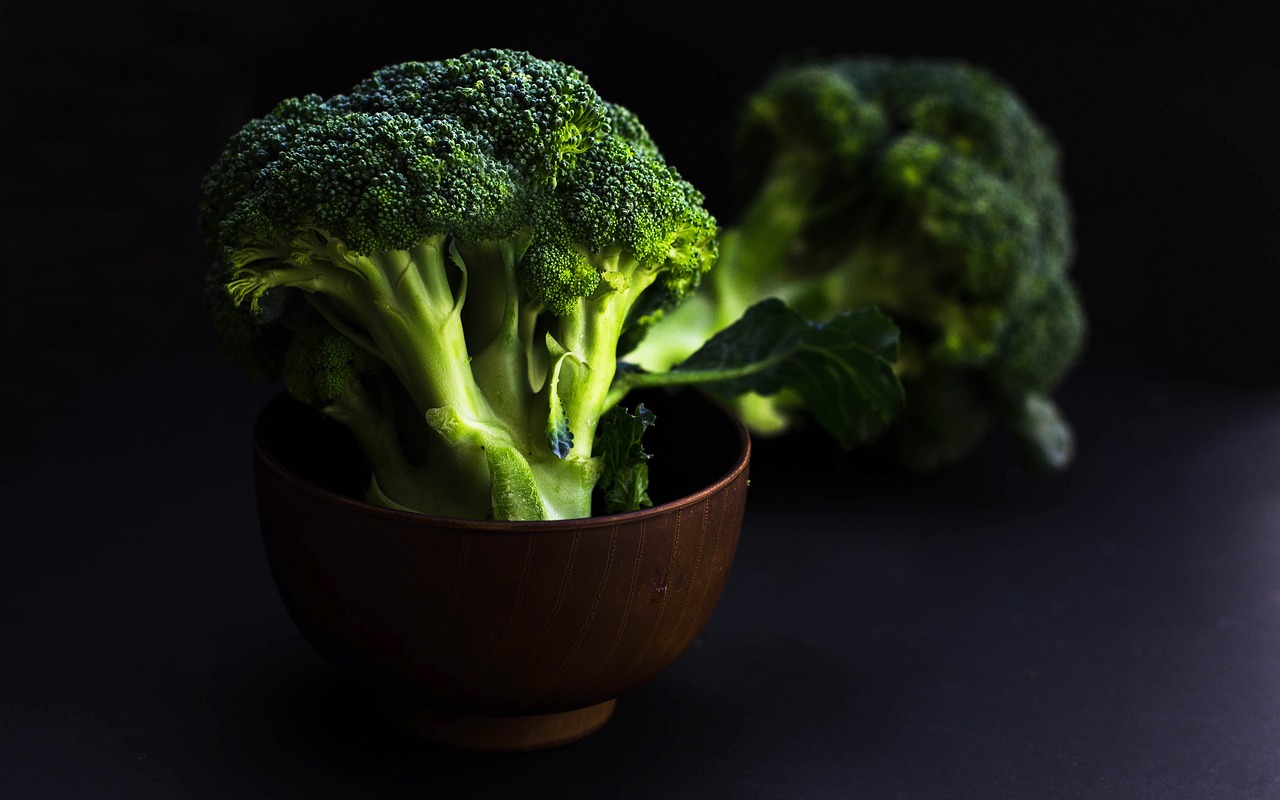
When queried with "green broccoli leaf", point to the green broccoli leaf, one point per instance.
{"points": [[624, 478], [842, 370]]}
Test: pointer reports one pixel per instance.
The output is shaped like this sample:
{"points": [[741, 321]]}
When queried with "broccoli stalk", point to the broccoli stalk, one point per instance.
{"points": [[445, 260], [927, 190]]}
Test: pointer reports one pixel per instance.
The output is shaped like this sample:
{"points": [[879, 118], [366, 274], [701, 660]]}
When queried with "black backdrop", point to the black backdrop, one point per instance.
{"points": [[115, 110], [1109, 634]]}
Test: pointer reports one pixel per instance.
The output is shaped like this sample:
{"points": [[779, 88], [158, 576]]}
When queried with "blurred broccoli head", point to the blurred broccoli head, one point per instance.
{"points": [[929, 189]]}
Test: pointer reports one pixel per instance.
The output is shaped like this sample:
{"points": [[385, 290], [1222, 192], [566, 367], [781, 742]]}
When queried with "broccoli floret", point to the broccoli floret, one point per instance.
{"points": [[242, 338], [320, 365], [925, 188], [478, 228]]}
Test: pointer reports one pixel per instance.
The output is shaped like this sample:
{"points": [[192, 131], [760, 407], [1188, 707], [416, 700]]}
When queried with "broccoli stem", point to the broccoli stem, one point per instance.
{"points": [[402, 305], [395, 481], [591, 331], [753, 251], [414, 321], [498, 330], [687, 377]]}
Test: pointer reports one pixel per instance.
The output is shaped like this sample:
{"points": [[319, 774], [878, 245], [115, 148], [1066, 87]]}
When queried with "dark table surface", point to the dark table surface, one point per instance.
{"points": [[1110, 632]]}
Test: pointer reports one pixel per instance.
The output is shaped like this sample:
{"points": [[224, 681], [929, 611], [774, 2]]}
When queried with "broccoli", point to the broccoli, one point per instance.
{"points": [[927, 189], [445, 258]]}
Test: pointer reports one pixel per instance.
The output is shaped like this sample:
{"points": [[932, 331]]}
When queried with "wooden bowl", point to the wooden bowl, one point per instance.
{"points": [[501, 635]]}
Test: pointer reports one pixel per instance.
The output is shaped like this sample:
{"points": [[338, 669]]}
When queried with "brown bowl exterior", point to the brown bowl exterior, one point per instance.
{"points": [[499, 618]]}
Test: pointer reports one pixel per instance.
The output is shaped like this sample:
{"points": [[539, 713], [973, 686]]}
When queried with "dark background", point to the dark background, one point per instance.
{"points": [[117, 110], [1106, 633]]}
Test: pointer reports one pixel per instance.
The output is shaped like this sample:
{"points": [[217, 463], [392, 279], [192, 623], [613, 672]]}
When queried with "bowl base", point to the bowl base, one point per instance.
{"points": [[501, 733]]}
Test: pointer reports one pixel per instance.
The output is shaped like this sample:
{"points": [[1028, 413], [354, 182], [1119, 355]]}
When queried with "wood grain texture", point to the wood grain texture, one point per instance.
{"points": [[479, 618]]}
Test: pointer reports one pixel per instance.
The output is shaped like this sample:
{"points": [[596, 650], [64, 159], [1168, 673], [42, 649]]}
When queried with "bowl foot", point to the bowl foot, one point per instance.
{"points": [[501, 733]]}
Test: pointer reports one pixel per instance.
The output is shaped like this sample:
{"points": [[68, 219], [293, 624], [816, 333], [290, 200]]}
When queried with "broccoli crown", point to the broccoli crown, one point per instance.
{"points": [[486, 146], [476, 231], [927, 188]]}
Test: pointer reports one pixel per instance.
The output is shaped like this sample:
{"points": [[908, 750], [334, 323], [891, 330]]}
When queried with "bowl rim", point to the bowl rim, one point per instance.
{"points": [[739, 467]]}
